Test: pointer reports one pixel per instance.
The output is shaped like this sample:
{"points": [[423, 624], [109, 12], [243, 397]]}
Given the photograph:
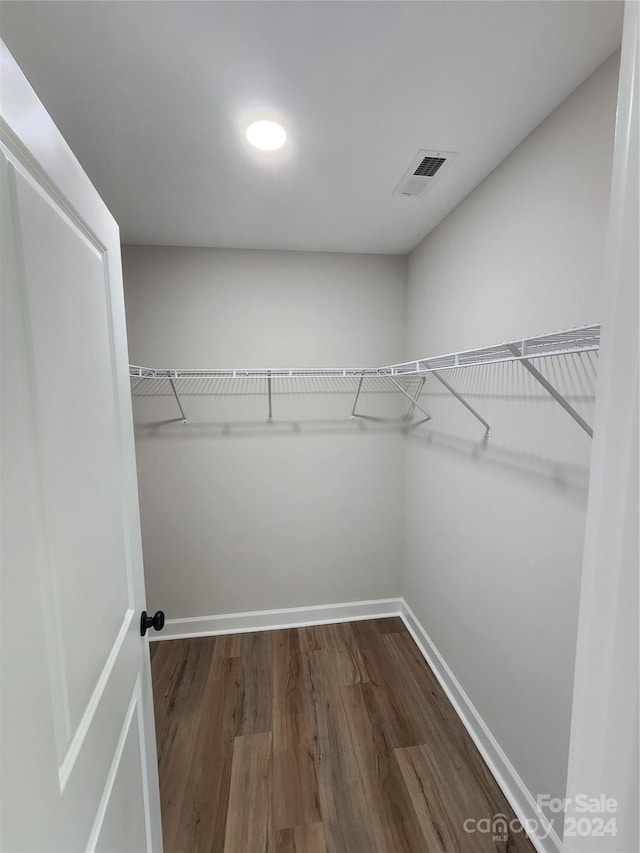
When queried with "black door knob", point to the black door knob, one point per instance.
{"points": [[156, 621]]}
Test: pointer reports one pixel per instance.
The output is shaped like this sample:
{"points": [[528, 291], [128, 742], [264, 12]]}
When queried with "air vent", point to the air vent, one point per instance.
{"points": [[429, 166], [423, 171]]}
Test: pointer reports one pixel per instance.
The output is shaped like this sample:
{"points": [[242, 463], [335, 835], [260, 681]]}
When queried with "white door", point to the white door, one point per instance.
{"points": [[78, 744]]}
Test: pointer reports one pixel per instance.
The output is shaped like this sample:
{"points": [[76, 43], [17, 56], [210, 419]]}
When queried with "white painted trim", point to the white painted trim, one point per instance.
{"points": [[521, 800], [272, 620]]}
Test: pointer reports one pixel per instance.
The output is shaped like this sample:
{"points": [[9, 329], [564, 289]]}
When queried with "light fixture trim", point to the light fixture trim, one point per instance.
{"points": [[266, 135]]}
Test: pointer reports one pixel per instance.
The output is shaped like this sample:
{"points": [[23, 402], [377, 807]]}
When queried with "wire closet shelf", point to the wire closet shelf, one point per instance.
{"points": [[579, 340]]}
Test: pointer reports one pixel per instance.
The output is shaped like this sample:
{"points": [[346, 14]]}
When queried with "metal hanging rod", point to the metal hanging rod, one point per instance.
{"points": [[579, 340]]}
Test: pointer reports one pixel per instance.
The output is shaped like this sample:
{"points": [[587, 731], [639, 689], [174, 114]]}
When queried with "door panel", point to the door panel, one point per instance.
{"points": [[78, 743], [66, 318], [120, 823]]}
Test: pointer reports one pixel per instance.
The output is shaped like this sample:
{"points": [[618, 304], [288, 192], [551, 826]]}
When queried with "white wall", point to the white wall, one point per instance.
{"points": [[238, 514], [494, 531]]}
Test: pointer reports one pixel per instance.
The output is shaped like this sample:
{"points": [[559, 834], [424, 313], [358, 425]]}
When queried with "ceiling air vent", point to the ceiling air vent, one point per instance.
{"points": [[423, 171]]}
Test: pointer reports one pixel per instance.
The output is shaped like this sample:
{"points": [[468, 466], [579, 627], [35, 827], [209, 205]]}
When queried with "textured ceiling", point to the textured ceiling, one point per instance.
{"points": [[153, 98]]}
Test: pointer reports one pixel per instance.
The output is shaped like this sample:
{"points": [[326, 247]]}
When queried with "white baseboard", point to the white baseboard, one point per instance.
{"points": [[545, 840], [271, 620], [518, 795]]}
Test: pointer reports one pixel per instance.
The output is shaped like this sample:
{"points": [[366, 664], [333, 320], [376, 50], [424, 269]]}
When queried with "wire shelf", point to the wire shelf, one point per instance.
{"points": [[136, 372], [402, 376], [582, 339]]}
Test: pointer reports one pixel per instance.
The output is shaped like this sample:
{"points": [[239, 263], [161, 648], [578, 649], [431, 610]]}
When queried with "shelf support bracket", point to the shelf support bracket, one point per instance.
{"points": [[407, 417], [269, 393], [487, 426], [414, 400], [550, 388], [175, 392], [355, 402]]}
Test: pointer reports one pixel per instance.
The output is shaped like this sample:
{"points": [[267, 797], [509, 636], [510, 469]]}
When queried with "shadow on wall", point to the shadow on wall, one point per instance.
{"points": [[532, 435], [263, 429], [240, 407], [567, 477]]}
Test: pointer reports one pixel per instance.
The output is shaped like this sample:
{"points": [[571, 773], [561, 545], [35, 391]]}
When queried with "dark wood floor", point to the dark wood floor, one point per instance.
{"points": [[329, 739]]}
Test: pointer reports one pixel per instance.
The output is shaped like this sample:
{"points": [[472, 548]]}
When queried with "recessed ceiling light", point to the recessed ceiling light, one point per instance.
{"points": [[266, 135]]}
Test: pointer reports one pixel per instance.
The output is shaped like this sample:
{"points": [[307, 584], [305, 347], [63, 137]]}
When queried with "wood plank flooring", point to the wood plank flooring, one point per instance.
{"points": [[327, 739]]}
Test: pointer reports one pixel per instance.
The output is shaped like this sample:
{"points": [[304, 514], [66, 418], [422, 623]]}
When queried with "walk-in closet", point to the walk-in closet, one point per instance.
{"points": [[319, 426]]}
